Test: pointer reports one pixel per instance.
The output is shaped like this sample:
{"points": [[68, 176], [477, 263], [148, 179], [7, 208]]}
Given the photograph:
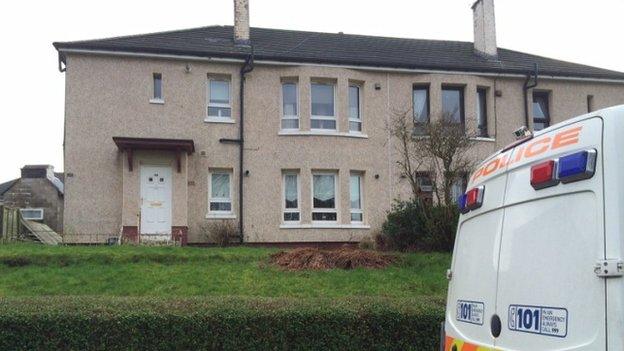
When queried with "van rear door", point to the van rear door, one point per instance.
{"points": [[472, 287], [548, 296]]}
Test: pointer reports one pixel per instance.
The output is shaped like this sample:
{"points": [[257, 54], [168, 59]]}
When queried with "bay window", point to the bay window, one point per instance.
{"points": [[355, 196], [323, 106], [291, 197], [324, 197], [355, 116], [290, 106], [453, 104]]}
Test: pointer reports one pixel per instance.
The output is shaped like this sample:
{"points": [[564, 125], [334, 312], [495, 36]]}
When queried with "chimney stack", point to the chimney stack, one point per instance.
{"points": [[241, 22], [484, 28]]}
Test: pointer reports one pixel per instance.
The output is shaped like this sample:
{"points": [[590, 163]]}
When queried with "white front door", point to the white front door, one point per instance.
{"points": [[155, 200]]}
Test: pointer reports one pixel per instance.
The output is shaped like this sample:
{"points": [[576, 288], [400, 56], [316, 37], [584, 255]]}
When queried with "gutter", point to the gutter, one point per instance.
{"points": [[347, 66], [525, 90]]}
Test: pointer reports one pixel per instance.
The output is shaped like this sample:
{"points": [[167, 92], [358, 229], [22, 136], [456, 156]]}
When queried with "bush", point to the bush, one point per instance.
{"points": [[366, 243], [81, 323], [220, 232], [416, 225]]}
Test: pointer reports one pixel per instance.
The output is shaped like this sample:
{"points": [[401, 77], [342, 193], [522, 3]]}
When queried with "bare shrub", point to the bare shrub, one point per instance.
{"points": [[222, 233], [366, 243]]}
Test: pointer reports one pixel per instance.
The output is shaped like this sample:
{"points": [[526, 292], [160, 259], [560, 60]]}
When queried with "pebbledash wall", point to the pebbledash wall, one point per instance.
{"points": [[109, 95]]}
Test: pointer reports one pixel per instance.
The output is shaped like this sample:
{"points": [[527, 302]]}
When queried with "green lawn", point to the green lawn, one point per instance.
{"points": [[36, 270]]}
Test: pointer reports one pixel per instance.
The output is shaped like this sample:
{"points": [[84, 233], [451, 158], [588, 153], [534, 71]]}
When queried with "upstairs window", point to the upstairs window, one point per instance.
{"points": [[291, 197], [453, 104], [355, 196], [355, 118], [157, 95], [32, 214], [220, 192], [324, 197], [421, 104], [290, 106], [219, 104], [482, 112], [323, 109], [541, 110]]}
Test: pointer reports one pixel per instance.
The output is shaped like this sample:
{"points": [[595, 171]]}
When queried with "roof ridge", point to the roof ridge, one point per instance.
{"points": [[136, 35]]}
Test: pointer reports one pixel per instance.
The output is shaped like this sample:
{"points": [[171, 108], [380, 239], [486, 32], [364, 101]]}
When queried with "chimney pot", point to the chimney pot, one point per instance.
{"points": [[484, 28], [241, 22]]}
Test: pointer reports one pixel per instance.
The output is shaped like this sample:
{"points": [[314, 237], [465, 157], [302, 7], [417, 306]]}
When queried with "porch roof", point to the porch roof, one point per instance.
{"points": [[127, 143], [178, 145]]}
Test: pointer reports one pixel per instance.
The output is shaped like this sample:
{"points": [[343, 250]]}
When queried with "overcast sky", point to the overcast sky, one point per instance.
{"points": [[32, 89]]}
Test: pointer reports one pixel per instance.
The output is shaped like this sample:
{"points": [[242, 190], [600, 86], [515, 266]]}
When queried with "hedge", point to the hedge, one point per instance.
{"points": [[112, 323]]}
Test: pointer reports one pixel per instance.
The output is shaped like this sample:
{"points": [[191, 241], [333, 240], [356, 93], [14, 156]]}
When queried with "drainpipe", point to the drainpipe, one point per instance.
{"points": [[247, 67], [529, 85]]}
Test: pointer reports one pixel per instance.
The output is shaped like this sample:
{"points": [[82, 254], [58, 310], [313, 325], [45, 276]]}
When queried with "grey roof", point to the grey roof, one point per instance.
{"points": [[4, 187], [339, 49]]}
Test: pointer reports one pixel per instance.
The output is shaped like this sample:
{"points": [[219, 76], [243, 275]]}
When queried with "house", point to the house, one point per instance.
{"points": [[38, 193], [283, 132]]}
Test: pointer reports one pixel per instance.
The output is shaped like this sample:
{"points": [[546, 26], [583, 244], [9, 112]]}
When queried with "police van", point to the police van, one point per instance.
{"points": [[537, 263]]}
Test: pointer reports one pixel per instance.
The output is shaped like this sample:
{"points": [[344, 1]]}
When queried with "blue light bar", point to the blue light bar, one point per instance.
{"points": [[577, 166], [461, 204]]}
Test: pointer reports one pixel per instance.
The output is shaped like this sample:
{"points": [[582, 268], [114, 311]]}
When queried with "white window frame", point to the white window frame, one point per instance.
{"points": [[323, 118], [361, 190], [289, 117], [154, 99], [357, 120], [218, 105], [291, 210], [32, 218], [336, 199], [211, 213]]}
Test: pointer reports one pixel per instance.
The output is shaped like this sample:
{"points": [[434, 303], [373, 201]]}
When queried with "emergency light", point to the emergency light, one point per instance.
{"points": [[569, 168], [580, 165], [544, 175], [471, 200]]}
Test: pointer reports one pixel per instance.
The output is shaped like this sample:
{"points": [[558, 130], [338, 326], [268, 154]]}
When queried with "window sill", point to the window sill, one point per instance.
{"points": [[219, 120], [157, 101], [220, 216], [486, 139], [321, 133], [323, 226]]}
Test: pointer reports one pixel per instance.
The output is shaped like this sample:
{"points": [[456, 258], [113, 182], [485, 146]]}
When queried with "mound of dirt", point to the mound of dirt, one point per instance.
{"points": [[311, 258]]}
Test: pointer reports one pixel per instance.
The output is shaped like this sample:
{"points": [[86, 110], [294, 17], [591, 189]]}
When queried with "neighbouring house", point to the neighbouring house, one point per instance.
{"points": [[281, 131], [38, 193]]}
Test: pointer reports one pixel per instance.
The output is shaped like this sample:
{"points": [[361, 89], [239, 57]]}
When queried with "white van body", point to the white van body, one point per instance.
{"points": [[546, 262]]}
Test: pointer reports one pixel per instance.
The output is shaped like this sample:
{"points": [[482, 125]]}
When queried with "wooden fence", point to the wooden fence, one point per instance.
{"points": [[10, 224]]}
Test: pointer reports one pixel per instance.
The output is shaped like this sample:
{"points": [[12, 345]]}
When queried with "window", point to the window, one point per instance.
{"points": [[219, 99], [355, 195], [541, 111], [420, 99], [323, 116], [324, 197], [590, 103], [291, 197], [355, 118], [290, 110], [482, 112], [421, 104], [220, 192], [157, 94], [424, 182], [453, 104], [459, 187], [33, 214]]}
